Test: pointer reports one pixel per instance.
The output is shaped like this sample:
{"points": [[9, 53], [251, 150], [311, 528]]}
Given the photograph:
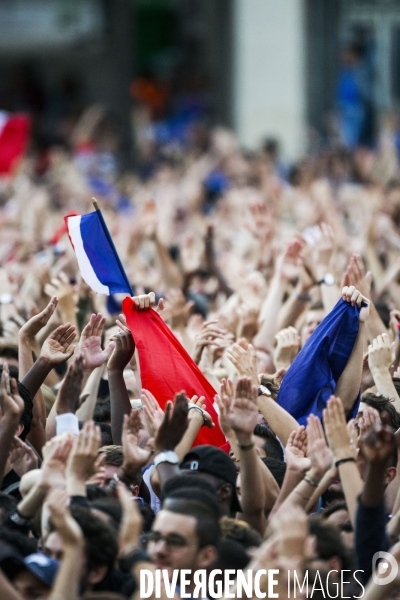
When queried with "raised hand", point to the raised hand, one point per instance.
{"points": [[191, 253], [55, 457], [224, 401], [354, 297], [65, 525], [196, 401], [288, 264], [370, 417], [324, 244], [357, 276], [353, 433], [69, 400], [378, 444], [90, 343], [61, 287], [243, 412], [334, 419], [320, 455], [22, 457], [148, 220], [174, 425], [58, 347], [81, 463], [291, 528], [380, 356], [209, 335], [287, 347], [32, 327], [296, 451], [245, 361], [123, 351], [135, 458], [144, 301], [177, 308], [132, 522], [11, 404], [153, 413]]}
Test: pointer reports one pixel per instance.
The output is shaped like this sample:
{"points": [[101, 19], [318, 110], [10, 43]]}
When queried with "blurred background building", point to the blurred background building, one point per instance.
{"points": [[301, 72]]}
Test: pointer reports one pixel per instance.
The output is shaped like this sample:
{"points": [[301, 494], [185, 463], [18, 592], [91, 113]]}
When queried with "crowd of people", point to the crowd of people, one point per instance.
{"points": [[282, 283]]}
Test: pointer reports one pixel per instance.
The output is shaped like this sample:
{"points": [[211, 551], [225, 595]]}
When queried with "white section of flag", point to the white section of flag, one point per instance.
{"points": [[85, 266]]}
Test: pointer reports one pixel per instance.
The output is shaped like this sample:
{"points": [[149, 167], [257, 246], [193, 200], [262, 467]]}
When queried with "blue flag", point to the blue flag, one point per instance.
{"points": [[314, 373]]}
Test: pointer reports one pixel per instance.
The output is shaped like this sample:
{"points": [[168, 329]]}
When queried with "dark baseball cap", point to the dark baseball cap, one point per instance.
{"points": [[40, 565], [212, 460]]}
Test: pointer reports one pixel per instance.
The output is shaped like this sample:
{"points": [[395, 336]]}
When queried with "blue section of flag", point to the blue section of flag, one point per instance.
{"points": [[314, 373], [102, 255]]}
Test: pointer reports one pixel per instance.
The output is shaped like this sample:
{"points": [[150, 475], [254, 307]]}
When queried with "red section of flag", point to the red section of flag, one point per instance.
{"points": [[14, 137], [166, 368], [61, 230]]}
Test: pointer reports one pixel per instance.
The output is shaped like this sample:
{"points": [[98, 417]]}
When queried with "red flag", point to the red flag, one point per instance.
{"points": [[14, 137], [166, 368]]}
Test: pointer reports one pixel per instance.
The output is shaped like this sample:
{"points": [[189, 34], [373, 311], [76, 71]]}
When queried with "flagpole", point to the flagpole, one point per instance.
{"points": [[104, 224]]}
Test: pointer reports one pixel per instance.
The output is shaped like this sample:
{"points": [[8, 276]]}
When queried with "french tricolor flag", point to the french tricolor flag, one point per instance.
{"points": [[97, 257]]}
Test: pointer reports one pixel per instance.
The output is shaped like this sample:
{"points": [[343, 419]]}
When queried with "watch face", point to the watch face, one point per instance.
{"points": [[171, 457], [329, 279]]}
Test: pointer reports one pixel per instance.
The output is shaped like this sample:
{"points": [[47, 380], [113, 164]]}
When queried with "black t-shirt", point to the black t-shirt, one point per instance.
{"points": [[9, 481]]}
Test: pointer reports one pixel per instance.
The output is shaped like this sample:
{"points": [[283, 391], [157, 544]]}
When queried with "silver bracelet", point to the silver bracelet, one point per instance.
{"points": [[200, 410]]}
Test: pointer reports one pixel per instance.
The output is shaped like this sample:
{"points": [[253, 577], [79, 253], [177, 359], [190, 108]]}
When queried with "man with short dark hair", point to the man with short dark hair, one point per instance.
{"points": [[184, 535], [100, 553]]}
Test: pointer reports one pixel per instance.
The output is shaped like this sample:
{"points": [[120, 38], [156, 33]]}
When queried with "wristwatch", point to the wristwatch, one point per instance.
{"points": [[328, 279], [263, 391], [168, 456], [18, 519]]}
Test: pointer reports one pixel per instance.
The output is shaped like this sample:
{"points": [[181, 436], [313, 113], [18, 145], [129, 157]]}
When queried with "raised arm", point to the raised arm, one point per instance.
{"points": [[280, 421], [169, 436], [349, 383], [119, 397], [377, 447], [56, 349], [66, 584], [242, 416], [343, 453], [297, 465], [380, 360], [286, 266], [322, 265], [321, 459], [90, 345], [66, 293], [12, 407], [68, 396], [26, 343], [357, 276]]}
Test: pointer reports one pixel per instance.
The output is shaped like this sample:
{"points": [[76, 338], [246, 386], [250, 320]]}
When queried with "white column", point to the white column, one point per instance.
{"points": [[269, 73]]}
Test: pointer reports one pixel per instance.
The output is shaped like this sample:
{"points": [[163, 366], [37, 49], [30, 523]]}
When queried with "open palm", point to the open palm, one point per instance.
{"points": [[243, 413], [58, 347], [90, 343]]}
